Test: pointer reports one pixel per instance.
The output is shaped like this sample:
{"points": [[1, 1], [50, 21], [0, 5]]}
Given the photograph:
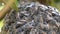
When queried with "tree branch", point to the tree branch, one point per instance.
{"points": [[6, 8]]}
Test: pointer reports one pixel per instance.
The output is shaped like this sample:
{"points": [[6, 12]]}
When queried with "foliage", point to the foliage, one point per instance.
{"points": [[57, 0], [14, 5], [1, 24], [1, 7]]}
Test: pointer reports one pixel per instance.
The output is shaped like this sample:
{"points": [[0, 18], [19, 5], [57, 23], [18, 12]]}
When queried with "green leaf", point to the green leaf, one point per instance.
{"points": [[16, 2], [1, 24], [14, 5], [1, 7]]}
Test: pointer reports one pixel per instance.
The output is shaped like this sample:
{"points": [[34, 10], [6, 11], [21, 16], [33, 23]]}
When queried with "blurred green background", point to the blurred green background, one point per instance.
{"points": [[57, 4]]}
